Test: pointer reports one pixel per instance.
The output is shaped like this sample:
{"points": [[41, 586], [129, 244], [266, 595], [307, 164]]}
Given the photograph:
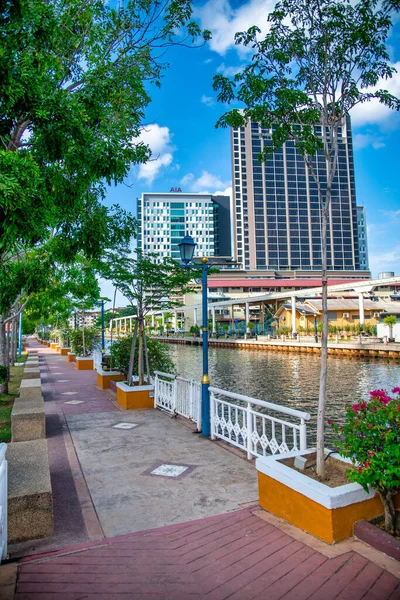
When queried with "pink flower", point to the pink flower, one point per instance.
{"points": [[329, 422], [359, 469], [396, 390], [370, 453], [370, 426]]}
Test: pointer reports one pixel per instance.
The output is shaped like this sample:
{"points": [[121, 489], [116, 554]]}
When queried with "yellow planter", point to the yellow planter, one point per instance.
{"points": [[104, 378], [65, 351], [84, 363], [136, 397], [71, 357], [327, 513]]}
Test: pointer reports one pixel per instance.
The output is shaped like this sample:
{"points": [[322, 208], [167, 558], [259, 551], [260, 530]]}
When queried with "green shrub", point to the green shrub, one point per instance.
{"points": [[65, 337], [195, 330], [159, 358], [92, 340], [370, 437], [3, 374]]}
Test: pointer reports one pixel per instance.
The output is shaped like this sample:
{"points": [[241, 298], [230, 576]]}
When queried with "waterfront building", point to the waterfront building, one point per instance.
{"points": [[276, 209], [165, 218], [362, 238]]}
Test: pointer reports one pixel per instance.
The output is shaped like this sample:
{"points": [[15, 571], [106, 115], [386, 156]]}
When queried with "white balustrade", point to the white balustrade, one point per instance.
{"points": [[178, 395], [3, 502], [245, 423], [97, 359]]}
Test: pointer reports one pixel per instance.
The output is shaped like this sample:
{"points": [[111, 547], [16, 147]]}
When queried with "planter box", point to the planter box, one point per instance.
{"points": [[135, 397], [65, 351], [84, 363], [53, 345], [327, 513], [71, 357], [104, 378]]}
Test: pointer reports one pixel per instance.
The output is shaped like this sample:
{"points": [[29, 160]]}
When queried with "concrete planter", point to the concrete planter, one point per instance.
{"points": [[71, 357], [135, 397], [53, 345], [65, 351], [327, 513], [57, 348], [104, 378], [84, 363]]}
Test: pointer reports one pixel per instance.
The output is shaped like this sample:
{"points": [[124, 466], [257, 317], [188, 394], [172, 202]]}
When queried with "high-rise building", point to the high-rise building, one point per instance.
{"points": [[362, 238], [276, 210], [166, 217]]}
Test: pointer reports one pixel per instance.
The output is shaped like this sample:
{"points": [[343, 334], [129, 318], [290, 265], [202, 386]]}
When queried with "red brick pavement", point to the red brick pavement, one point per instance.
{"points": [[237, 556]]}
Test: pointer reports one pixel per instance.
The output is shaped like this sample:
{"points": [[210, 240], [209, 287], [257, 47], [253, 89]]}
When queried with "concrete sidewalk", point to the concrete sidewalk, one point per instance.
{"points": [[147, 509]]}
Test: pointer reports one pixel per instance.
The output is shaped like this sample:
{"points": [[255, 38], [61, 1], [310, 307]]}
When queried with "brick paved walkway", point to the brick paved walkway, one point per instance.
{"points": [[237, 555]]}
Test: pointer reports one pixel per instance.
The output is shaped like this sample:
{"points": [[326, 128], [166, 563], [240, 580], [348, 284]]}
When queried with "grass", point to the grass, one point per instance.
{"points": [[7, 400]]}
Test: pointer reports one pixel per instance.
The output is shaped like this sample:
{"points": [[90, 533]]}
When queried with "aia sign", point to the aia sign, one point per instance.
{"points": [[175, 190]]}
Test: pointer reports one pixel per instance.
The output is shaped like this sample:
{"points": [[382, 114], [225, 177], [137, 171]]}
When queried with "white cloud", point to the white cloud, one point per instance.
{"points": [[226, 192], [373, 112], [228, 71], [206, 183], [385, 261], [392, 215], [207, 100], [362, 140], [159, 140], [224, 21], [208, 61]]}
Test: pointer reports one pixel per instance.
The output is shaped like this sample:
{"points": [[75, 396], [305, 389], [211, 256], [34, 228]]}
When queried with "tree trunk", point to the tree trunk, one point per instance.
{"points": [[132, 356], [146, 356], [324, 350], [3, 353], [140, 356], [83, 334], [390, 512]]}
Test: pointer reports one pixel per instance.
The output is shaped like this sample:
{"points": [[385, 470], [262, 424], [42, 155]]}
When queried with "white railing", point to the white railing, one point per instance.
{"points": [[97, 359], [246, 424], [3, 502], [178, 395]]}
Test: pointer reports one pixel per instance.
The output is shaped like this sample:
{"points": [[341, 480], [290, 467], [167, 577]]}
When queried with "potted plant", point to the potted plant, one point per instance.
{"points": [[367, 461], [84, 341], [390, 320]]}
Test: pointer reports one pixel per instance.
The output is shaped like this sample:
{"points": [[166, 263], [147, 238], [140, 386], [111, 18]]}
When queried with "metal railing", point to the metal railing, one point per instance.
{"points": [[3, 501], [178, 395], [246, 424]]}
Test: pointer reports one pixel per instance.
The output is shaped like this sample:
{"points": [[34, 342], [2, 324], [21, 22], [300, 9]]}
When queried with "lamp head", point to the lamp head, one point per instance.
{"points": [[186, 248]]}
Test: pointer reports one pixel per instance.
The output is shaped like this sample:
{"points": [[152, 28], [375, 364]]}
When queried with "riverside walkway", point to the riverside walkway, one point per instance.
{"points": [[147, 509]]}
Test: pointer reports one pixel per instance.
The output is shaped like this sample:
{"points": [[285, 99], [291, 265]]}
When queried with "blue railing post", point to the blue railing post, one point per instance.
{"points": [[205, 382], [103, 346]]}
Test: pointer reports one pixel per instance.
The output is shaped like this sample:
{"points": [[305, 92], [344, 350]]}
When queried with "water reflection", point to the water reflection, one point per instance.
{"points": [[287, 378]]}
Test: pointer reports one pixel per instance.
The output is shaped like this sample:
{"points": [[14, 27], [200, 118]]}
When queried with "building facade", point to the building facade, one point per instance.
{"points": [[362, 238], [165, 218], [276, 209]]}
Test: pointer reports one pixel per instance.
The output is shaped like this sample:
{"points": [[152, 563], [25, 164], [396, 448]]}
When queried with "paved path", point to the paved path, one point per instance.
{"points": [[236, 556], [103, 485]]}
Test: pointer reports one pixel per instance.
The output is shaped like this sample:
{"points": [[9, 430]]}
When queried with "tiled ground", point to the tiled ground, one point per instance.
{"points": [[236, 556]]}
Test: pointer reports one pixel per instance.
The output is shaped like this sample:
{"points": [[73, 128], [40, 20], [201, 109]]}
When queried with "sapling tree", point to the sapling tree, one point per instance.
{"points": [[319, 59], [150, 284], [390, 321]]}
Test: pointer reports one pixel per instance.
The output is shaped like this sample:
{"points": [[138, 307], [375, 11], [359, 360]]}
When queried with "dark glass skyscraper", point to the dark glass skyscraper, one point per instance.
{"points": [[276, 210]]}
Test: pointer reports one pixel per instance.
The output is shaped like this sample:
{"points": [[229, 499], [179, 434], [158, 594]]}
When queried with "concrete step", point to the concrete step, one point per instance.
{"points": [[28, 420], [30, 499]]}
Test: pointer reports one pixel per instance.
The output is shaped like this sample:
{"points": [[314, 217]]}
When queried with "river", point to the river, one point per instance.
{"points": [[288, 379]]}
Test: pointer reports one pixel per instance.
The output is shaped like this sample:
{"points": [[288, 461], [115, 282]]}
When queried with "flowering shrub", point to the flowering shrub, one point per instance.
{"points": [[370, 437]]}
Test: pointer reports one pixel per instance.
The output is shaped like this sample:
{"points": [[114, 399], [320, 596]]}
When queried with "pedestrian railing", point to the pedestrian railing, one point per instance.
{"points": [[3, 502], [97, 359], [257, 427], [178, 395]]}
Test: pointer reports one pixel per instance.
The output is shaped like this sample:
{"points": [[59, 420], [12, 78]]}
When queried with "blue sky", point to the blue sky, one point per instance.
{"points": [[192, 154]]}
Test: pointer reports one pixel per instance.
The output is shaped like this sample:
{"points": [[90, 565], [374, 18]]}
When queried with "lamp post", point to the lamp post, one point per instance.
{"points": [[186, 248]]}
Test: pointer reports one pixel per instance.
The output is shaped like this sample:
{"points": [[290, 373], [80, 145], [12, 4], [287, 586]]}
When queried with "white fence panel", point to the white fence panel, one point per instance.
{"points": [[164, 391], [3, 501], [97, 359], [178, 395], [245, 423]]}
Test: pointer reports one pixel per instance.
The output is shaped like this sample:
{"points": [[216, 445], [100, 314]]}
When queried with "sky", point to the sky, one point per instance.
{"points": [[189, 152]]}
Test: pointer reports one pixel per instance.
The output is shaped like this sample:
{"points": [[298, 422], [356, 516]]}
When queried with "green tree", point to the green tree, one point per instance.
{"points": [[159, 358], [390, 320], [150, 284], [74, 85], [319, 59]]}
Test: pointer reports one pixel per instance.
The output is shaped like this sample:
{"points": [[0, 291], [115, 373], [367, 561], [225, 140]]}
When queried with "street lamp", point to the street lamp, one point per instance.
{"points": [[186, 248]]}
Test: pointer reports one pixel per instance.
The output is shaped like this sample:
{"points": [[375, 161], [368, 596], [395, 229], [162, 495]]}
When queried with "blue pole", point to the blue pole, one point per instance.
{"points": [[20, 336], [102, 328], [205, 382]]}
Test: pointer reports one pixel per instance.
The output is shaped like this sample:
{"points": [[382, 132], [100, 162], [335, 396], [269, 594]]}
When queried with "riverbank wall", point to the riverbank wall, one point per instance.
{"points": [[340, 349]]}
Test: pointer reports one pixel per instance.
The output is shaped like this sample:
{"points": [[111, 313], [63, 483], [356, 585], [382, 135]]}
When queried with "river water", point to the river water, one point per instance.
{"points": [[288, 379]]}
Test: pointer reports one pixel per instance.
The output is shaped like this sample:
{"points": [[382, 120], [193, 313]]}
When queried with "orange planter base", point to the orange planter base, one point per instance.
{"points": [[65, 351], [134, 398], [104, 378], [71, 357], [84, 364], [329, 525]]}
